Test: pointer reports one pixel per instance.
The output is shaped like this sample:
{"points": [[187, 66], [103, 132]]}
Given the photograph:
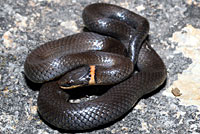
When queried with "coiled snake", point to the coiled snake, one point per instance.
{"points": [[89, 58]]}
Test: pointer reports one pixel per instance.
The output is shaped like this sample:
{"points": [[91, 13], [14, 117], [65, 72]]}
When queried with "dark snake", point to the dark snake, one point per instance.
{"points": [[114, 64]]}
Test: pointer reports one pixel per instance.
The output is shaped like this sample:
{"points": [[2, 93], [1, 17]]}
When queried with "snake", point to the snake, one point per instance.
{"points": [[114, 46]]}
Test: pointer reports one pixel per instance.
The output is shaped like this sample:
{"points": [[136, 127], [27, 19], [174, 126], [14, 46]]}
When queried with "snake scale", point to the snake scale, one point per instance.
{"points": [[115, 46]]}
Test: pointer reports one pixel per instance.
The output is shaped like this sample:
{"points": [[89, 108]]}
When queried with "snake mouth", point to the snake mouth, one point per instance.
{"points": [[69, 86]]}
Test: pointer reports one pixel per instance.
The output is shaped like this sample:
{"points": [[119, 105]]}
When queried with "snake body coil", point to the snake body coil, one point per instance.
{"points": [[109, 55]]}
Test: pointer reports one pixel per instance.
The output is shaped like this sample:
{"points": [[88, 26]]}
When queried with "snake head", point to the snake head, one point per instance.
{"points": [[82, 76]]}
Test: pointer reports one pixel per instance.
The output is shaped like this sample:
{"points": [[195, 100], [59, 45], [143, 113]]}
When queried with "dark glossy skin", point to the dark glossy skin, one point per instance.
{"points": [[55, 58], [46, 63]]}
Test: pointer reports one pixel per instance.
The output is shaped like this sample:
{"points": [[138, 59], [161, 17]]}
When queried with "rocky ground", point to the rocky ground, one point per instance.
{"points": [[174, 34]]}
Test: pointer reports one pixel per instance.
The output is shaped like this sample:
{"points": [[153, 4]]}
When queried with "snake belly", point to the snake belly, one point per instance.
{"points": [[55, 58]]}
